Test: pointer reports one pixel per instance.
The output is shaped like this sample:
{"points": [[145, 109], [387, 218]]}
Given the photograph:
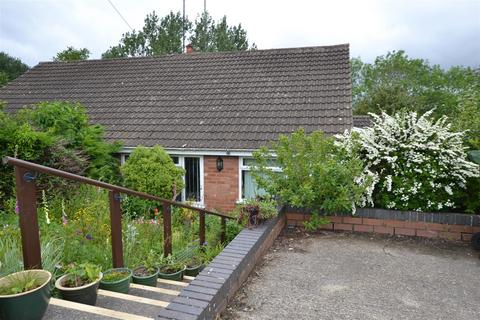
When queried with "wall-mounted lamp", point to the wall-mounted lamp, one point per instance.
{"points": [[219, 164]]}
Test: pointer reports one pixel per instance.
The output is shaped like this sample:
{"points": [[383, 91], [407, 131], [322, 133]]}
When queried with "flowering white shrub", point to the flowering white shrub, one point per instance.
{"points": [[416, 163]]}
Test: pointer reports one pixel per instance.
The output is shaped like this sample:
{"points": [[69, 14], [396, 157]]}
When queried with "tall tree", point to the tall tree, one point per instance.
{"points": [[164, 35], [158, 36], [72, 54], [10, 68], [210, 36], [396, 82]]}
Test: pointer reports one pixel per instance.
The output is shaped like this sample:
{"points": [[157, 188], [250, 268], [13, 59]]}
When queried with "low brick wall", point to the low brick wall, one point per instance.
{"points": [[208, 295], [451, 226]]}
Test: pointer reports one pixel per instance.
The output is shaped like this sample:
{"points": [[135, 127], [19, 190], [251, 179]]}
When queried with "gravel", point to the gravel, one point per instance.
{"points": [[361, 276]]}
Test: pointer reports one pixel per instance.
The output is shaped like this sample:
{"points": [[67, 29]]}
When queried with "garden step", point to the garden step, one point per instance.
{"points": [[141, 303], [93, 310]]}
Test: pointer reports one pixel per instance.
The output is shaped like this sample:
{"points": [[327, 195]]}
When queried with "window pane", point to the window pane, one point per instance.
{"points": [[174, 159], [249, 186], [192, 179]]}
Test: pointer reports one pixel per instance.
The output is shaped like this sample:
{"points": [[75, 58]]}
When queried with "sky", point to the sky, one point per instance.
{"points": [[445, 32]]}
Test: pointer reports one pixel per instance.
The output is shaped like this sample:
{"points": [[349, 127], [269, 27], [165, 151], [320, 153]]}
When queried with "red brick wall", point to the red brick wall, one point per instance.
{"points": [[221, 188], [392, 227]]}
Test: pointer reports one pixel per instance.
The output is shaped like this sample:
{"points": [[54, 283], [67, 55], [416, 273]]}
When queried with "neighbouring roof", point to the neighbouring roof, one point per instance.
{"points": [[228, 100], [362, 121]]}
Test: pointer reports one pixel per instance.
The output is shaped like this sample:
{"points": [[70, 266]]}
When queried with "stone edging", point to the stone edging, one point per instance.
{"points": [[208, 295]]}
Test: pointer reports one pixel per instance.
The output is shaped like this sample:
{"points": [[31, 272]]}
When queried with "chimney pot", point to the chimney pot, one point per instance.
{"points": [[189, 48]]}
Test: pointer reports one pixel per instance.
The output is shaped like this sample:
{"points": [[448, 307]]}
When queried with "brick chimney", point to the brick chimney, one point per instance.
{"points": [[189, 48]]}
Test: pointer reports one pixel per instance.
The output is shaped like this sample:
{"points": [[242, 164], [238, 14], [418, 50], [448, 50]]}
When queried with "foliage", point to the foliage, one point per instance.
{"points": [[55, 134], [315, 173], [10, 68], [416, 163], [81, 274], [19, 283], [210, 252], [158, 36], [397, 82], [170, 265], [315, 222], [252, 211], [209, 36], [165, 36], [72, 54], [114, 276], [152, 170]]}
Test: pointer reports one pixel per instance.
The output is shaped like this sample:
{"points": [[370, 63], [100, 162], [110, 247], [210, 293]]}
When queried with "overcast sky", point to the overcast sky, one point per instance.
{"points": [[446, 32]]}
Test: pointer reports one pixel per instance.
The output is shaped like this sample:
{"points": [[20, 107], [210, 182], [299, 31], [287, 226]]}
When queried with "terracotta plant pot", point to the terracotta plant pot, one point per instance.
{"points": [[147, 280], [30, 305], [86, 294], [122, 285]]}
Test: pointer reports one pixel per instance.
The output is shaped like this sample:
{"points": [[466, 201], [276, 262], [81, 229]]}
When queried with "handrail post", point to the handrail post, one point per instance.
{"points": [[27, 204], [223, 234], [116, 229], [201, 231], [167, 229]]}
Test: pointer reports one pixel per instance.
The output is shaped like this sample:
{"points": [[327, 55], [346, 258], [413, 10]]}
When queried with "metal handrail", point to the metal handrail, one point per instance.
{"points": [[27, 202], [108, 186]]}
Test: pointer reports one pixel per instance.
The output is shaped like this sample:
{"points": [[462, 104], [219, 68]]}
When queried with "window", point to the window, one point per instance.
{"points": [[193, 190], [249, 188]]}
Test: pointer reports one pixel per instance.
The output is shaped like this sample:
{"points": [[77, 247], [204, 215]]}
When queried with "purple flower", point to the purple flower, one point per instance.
{"points": [[88, 236], [17, 208]]}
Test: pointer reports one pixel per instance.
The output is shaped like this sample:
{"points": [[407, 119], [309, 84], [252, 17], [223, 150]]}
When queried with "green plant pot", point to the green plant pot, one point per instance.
{"points": [[177, 276], [86, 294], [30, 305], [121, 286], [194, 271], [146, 281]]}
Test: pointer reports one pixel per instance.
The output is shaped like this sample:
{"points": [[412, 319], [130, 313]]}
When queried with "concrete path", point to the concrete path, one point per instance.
{"points": [[352, 276]]}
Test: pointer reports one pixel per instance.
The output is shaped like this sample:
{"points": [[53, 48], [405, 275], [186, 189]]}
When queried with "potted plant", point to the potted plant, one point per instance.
{"points": [[25, 294], [117, 279], [80, 283], [147, 273], [255, 211], [171, 269], [193, 266]]}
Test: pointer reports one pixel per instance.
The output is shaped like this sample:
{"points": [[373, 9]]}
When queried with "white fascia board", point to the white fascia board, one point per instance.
{"points": [[200, 152]]}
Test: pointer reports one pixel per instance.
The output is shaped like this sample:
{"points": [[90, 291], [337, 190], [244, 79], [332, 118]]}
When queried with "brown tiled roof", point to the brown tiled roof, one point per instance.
{"points": [[362, 121], [229, 100]]}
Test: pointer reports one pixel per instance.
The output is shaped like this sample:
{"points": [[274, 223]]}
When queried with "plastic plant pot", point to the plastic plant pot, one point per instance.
{"points": [[193, 271], [86, 294], [29, 305], [176, 276], [147, 280], [122, 285]]}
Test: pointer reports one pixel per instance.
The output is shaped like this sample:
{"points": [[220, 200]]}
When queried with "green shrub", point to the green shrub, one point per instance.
{"points": [[151, 170], [315, 173]]}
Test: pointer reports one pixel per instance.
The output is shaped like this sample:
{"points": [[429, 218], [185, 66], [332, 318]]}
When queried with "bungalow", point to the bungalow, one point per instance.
{"points": [[208, 110]]}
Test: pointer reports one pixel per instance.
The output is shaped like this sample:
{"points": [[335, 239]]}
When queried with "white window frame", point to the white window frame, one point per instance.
{"points": [[242, 167]]}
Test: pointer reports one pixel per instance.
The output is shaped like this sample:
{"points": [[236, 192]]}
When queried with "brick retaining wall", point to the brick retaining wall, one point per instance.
{"points": [[206, 296], [451, 226]]}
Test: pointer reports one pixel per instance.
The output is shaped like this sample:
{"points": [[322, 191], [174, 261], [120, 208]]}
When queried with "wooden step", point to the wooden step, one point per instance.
{"points": [[155, 289], [96, 310], [188, 278], [172, 282], [132, 298]]}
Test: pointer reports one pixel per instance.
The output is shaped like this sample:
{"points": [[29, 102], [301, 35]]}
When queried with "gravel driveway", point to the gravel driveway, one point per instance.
{"points": [[355, 276]]}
